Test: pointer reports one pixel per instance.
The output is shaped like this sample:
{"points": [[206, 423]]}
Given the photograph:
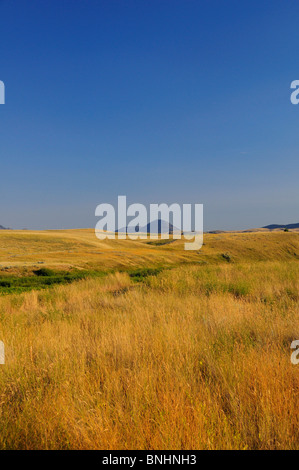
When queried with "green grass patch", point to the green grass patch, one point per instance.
{"points": [[139, 275], [42, 279], [160, 242]]}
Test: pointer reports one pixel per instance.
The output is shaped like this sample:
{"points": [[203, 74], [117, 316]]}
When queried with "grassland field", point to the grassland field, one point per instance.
{"points": [[122, 344]]}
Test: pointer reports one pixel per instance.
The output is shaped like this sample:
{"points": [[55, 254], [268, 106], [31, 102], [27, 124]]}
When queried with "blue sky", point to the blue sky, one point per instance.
{"points": [[163, 101]]}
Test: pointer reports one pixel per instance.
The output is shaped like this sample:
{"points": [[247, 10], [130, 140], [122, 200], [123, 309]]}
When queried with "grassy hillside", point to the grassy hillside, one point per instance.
{"points": [[80, 249], [76, 254], [156, 348]]}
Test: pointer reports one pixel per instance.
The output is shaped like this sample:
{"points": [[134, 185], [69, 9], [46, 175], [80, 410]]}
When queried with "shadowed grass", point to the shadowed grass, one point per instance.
{"points": [[42, 279]]}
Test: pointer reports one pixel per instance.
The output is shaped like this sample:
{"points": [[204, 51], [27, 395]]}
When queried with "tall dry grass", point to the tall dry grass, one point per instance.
{"points": [[194, 358]]}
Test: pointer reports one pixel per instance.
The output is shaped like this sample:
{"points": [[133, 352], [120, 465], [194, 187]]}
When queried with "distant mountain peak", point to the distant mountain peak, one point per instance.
{"points": [[155, 226]]}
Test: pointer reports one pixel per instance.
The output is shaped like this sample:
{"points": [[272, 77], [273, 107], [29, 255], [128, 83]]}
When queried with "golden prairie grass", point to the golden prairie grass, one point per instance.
{"points": [[63, 249], [197, 357]]}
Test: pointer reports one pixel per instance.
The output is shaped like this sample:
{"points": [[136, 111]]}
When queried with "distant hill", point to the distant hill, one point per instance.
{"points": [[215, 232], [276, 226], [156, 226], [3, 228]]}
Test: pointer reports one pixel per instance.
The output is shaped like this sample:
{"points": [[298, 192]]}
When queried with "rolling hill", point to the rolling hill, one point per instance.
{"points": [[277, 226]]}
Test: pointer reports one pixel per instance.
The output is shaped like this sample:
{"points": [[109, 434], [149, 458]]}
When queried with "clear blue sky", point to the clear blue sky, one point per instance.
{"points": [[161, 100]]}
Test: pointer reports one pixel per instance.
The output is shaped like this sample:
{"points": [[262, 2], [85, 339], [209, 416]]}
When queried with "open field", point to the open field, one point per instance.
{"points": [[155, 348]]}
